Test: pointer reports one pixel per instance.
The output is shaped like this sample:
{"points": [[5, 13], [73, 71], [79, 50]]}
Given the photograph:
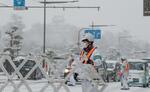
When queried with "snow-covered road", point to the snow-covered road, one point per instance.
{"points": [[112, 87], [115, 87]]}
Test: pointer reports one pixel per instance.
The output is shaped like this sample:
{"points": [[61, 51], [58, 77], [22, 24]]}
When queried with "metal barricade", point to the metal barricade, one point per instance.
{"points": [[55, 81]]}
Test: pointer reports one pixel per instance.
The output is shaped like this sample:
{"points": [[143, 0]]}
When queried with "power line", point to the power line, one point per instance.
{"points": [[58, 2]]}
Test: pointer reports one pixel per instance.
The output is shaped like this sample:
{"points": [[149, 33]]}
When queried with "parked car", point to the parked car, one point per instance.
{"points": [[138, 73], [26, 68], [113, 67]]}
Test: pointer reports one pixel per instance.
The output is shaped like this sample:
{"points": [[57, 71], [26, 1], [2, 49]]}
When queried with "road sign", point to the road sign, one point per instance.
{"points": [[19, 4], [95, 32]]}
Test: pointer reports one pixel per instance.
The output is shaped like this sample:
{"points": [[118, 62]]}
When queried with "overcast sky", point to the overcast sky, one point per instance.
{"points": [[125, 14]]}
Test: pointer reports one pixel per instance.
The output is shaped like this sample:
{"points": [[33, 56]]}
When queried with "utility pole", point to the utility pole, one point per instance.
{"points": [[44, 25], [44, 34]]}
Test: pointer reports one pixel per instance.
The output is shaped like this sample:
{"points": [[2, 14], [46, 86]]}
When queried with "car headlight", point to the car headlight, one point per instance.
{"points": [[66, 70], [27, 69]]}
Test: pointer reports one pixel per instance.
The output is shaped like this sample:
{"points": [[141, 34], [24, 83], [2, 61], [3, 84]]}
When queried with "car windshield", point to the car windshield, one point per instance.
{"points": [[136, 66], [110, 65], [30, 63]]}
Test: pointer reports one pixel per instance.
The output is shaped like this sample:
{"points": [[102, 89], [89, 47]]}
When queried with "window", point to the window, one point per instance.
{"points": [[110, 65], [136, 66]]}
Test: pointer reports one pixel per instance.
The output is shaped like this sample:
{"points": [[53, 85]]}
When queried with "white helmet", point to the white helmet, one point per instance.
{"points": [[89, 37], [123, 58]]}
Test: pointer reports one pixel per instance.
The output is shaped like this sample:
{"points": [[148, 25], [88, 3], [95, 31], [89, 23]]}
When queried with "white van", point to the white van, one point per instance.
{"points": [[138, 73]]}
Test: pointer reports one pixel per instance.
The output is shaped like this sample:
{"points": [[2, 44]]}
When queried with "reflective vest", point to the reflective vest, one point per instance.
{"points": [[89, 61], [127, 67]]}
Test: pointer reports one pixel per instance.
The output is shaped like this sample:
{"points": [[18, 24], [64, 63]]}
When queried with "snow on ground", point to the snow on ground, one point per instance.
{"points": [[38, 85], [115, 87]]}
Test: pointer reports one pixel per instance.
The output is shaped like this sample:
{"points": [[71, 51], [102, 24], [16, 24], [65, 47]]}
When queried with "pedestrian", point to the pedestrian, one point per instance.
{"points": [[124, 74]]}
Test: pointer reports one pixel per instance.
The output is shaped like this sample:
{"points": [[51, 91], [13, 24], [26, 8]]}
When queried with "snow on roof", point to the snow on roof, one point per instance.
{"points": [[136, 60], [111, 61], [19, 58]]}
